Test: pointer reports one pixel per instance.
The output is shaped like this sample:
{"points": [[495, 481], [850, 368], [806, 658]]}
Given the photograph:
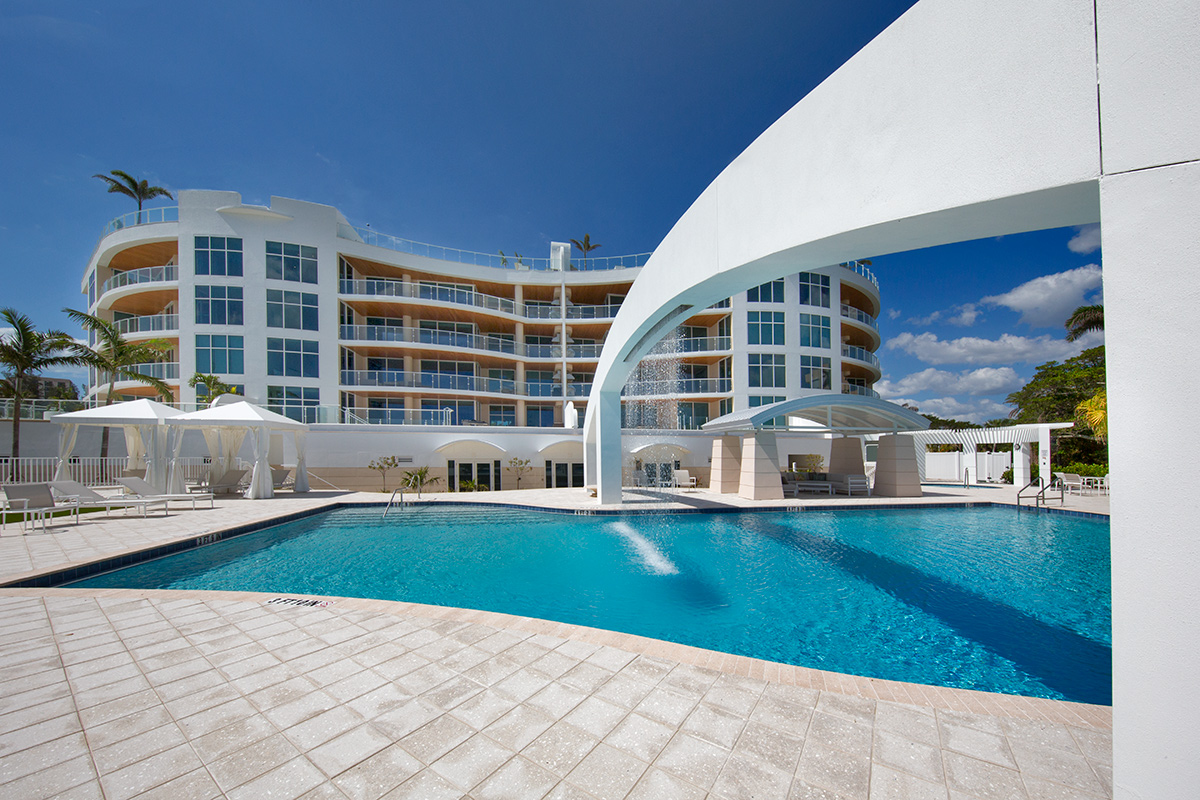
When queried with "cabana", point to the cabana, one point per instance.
{"points": [[225, 427], [147, 442]]}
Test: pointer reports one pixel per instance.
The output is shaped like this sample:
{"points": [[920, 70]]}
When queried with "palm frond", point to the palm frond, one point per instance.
{"points": [[1084, 319]]}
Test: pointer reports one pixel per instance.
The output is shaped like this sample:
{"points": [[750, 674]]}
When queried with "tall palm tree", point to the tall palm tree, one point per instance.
{"points": [[25, 353], [141, 191], [119, 357], [1084, 319], [585, 246]]}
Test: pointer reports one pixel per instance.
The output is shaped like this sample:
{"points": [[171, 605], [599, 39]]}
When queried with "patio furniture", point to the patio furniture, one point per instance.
{"points": [[34, 500], [139, 488], [684, 480], [1100, 485], [281, 478], [232, 481], [84, 496], [1071, 482]]}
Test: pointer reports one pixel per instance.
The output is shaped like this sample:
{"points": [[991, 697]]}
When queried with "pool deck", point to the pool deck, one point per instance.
{"points": [[130, 693]]}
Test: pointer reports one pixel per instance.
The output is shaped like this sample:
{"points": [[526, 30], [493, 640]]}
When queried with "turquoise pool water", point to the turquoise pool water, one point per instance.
{"points": [[978, 598]]}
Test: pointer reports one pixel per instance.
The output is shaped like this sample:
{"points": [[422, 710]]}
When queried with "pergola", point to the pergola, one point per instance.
{"points": [[1020, 436], [745, 457], [146, 440]]}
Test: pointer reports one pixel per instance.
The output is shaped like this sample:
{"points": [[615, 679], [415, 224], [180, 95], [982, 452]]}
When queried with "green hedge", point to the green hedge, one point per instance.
{"points": [[1083, 470]]}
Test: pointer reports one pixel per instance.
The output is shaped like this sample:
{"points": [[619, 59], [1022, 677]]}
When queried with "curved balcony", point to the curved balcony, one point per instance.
{"points": [[860, 354], [146, 216], [387, 287], [856, 315], [697, 344], [494, 260], [150, 323], [858, 268], [470, 341], [849, 388], [700, 386], [398, 379], [133, 277]]}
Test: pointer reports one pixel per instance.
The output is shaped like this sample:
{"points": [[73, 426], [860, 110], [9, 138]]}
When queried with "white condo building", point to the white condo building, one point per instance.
{"points": [[342, 326]]}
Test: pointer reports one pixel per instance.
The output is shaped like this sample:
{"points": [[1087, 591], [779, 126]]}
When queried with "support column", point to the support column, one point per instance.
{"points": [[896, 473], [726, 464], [970, 473], [608, 446], [1044, 462], [760, 476], [1022, 453], [846, 456]]}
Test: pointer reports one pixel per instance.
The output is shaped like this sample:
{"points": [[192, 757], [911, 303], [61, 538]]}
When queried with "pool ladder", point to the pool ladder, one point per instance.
{"points": [[391, 500]]}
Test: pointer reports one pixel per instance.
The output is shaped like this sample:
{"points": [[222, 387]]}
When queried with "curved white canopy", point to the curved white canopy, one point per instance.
{"points": [[835, 413]]}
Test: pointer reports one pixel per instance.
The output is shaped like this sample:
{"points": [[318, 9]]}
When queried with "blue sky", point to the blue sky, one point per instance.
{"points": [[485, 126]]}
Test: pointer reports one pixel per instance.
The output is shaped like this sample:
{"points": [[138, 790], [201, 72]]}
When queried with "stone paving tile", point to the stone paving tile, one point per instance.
{"points": [[181, 695]]}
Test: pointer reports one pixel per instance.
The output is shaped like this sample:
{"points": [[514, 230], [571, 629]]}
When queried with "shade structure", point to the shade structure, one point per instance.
{"points": [[833, 413], [242, 418], [142, 421]]}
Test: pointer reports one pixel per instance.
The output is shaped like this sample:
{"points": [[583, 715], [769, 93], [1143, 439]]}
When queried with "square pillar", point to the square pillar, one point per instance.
{"points": [[726, 464], [760, 477], [846, 456], [896, 473], [1022, 454]]}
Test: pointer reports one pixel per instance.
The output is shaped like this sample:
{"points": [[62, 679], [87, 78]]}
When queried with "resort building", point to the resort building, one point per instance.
{"points": [[340, 325]]}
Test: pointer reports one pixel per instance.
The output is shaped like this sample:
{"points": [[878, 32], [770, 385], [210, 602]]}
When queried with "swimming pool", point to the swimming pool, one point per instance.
{"points": [[978, 598]]}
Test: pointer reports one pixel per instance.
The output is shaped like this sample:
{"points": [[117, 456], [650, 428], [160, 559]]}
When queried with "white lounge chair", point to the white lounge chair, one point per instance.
{"points": [[90, 498], [281, 478], [231, 481], [33, 500], [139, 488], [684, 480], [1071, 483]]}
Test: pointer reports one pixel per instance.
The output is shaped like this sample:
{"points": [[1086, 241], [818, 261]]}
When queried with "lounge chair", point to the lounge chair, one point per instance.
{"points": [[140, 489], [281, 478], [33, 500], [1071, 483], [684, 480], [90, 498], [232, 481]]}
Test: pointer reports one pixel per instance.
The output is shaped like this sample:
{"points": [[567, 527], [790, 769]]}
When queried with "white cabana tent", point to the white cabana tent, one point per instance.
{"points": [[147, 441], [225, 427]]}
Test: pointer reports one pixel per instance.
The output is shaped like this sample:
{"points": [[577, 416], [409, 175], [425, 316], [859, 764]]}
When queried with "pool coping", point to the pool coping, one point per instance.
{"points": [[967, 701]]}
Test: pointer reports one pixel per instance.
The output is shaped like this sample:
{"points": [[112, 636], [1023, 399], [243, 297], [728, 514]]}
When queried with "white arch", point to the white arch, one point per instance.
{"points": [[969, 119]]}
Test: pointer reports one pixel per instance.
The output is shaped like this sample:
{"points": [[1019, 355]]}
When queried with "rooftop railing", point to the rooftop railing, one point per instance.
{"points": [[398, 244], [860, 354], [860, 268], [146, 216], [132, 277]]}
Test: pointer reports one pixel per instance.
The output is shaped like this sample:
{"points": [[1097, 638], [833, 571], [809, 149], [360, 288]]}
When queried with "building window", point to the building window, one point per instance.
{"points": [[291, 262], [291, 310], [539, 416], [814, 330], [814, 289], [218, 255], [219, 354], [460, 411], [295, 358], [692, 415], [766, 400], [815, 372], [767, 371], [765, 327], [202, 390], [91, 290], [297, 402], [502, 415], [218, 305], [767, 293], [725, 406]]}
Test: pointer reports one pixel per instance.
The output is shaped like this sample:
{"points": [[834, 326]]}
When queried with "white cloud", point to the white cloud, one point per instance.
{"points": [[1046, 302], [980, 410], [963, 315], [1008, 349], [893, 313], [985, 380], [1086, 240]]}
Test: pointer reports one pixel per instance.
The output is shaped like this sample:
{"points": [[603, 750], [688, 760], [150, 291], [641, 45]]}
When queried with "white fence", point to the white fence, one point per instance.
{"points": [[950, 467], [90, 471]]}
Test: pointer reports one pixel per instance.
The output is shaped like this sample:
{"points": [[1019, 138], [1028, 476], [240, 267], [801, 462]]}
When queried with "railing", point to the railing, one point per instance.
{"points": [[400, 416], [382, 333], [398, 379], [381, 287], [144, 217], [37, 409], [697, 344], [860, 354], [861, 269], [148, 323], [850, 388], [163, 370], [554, 311], [850, 312], [496, 260], [131, 277], [679, 386]]}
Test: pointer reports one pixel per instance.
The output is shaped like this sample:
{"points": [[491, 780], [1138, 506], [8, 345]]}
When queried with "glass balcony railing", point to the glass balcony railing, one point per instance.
{"points": [[153, 323], [698, 344], [144, 217], [679, 386], [850, 388], [132, 277], [860, 268], [400, 379], [472, 341], [850, 312], [163, 370], [495, 260], [380, 287], [860, 354]]}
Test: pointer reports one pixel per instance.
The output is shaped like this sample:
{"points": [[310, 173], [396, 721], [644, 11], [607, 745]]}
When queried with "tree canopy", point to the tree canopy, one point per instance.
{"points": [[1053, 394]]}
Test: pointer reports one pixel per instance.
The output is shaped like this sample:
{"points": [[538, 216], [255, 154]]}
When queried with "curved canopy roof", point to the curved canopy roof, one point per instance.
{"points": [[834, 413]]}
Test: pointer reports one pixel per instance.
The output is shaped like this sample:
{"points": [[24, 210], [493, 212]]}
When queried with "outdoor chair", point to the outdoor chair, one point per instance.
{"points": [[33, 500], [140, 489], [90, 498], [1072, 483], [684, 480], [231, 481], [281, 478]]}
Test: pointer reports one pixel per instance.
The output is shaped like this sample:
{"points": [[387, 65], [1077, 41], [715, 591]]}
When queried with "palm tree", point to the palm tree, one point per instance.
{"points": [[118, 357], [585, 246], [141, 191], [25, 353], [1094, 412], [1084, 319], [213, 385]]}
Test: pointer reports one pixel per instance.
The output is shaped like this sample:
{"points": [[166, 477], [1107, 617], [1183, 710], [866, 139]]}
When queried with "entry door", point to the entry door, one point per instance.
{"points": [[561, 474]]}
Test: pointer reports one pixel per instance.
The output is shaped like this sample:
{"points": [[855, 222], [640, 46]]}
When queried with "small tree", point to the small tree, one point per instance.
{"points": [[382, 465], [519, 467], [419, 478], [213, 385]]}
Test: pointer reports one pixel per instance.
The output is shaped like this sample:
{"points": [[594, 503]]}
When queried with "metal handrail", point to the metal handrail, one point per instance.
{"points": [[860, 268], [388, 507]]}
